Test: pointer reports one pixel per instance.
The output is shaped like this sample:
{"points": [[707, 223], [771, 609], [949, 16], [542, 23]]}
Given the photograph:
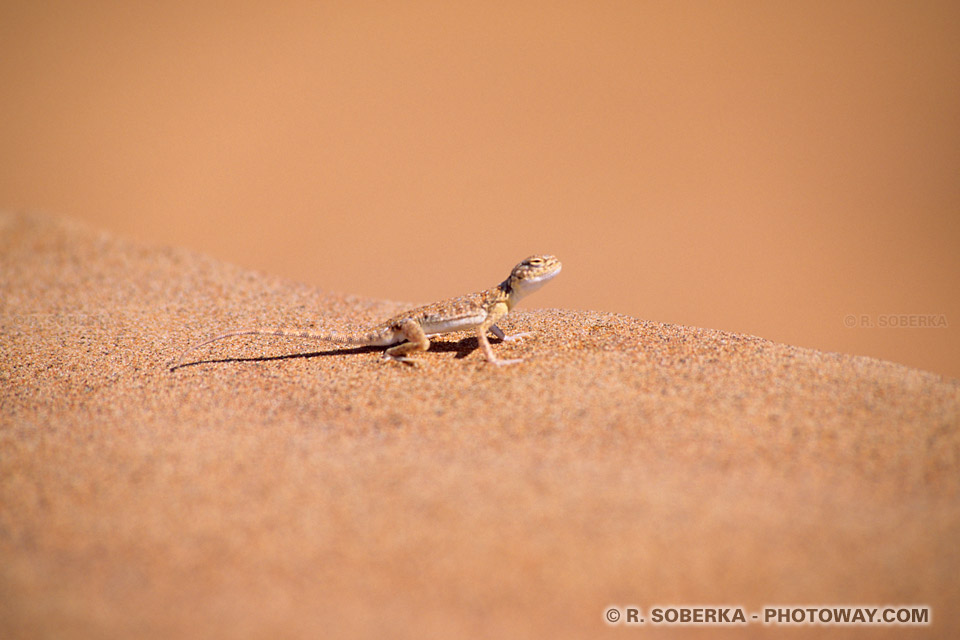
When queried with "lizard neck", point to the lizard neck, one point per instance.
{"points": [[514, 291], [505, 293]]}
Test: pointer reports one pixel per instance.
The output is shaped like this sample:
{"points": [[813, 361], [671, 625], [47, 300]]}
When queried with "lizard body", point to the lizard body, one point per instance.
{"points": [[411, 331]]}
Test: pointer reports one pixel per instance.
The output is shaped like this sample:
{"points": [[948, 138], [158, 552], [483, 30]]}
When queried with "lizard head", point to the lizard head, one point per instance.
{"points": [[531, 274]]}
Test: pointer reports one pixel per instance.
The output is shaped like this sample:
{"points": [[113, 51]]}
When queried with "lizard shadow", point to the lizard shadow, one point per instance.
{"points": [[462, 348], [286, 356]]}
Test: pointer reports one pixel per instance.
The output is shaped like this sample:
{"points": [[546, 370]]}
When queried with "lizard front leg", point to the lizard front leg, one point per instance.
{"points": [[495, 313]]}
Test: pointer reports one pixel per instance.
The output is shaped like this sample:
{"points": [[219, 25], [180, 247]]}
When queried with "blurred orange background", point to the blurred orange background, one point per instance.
{"points": [[789, 170]]}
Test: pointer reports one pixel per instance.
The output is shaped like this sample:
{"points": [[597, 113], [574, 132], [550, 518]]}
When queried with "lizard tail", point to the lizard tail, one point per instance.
{"points": [[307, 335]]}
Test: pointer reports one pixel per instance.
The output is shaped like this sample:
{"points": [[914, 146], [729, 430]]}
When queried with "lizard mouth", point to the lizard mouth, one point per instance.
{"points": [[544, 276], [530, 284]]}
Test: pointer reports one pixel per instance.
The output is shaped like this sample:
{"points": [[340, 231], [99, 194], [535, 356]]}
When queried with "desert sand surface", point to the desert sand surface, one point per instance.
{"points": [[276, 488], [782, 169]]}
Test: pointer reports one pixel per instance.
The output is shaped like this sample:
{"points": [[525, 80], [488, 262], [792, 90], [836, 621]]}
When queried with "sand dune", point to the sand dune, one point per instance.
{"points": [[273, 487]]}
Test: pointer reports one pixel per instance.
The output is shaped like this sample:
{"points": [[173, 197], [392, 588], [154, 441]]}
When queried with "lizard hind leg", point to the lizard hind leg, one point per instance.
{"points": [[417, 340]]}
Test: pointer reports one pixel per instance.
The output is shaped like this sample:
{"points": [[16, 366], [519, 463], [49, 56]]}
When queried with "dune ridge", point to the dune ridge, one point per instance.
{"points": [[277, 487]]}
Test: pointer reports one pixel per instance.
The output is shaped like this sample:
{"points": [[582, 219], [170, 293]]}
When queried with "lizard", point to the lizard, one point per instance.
{"points": [[411, 331]]}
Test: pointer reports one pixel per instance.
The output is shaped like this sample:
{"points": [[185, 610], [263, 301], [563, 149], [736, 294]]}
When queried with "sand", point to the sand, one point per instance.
{"points": [[276, 488]]}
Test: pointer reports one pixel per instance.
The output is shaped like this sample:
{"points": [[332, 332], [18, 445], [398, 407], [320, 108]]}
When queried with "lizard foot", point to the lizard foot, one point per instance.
{"points": [[501, 363], [403, 359]]}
